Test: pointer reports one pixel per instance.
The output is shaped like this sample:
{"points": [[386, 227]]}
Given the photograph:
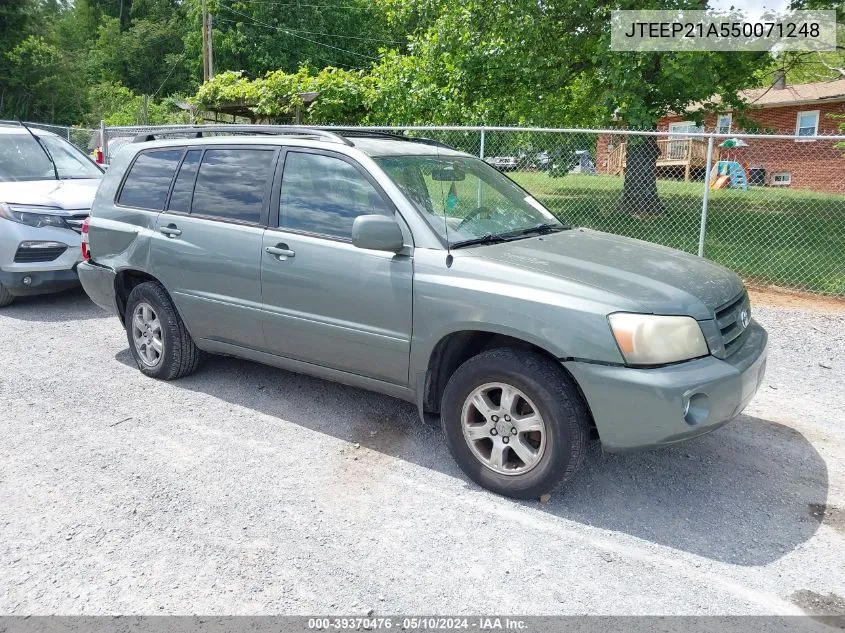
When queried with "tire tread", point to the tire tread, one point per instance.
{"points": [[184, 356]]}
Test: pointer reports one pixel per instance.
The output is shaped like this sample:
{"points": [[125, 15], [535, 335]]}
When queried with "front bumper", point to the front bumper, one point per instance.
{"points": [[23, 284], [44, 277], [643, 408]]}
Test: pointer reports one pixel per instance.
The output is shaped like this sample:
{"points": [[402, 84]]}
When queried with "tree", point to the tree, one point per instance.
{"points": [[260, 37], [550, 63]]}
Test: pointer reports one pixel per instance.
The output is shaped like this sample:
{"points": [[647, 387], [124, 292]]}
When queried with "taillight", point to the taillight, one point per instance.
{"points": [[86, 254]]}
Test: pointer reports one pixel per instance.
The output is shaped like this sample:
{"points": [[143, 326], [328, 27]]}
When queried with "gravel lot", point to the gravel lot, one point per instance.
{"points": [[248, 490]]}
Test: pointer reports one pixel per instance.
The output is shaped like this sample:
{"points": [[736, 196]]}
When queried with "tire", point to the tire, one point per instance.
{"points": [[6, 297], [543, 388], [174, 355]]}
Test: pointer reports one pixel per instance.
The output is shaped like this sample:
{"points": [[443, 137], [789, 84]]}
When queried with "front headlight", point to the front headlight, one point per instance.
{"points": [[649, 339], [32, 216]]}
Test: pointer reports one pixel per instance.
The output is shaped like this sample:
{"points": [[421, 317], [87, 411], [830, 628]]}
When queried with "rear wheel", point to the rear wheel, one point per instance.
{"points": [[515, 422], [6, 297], [158, 339]]}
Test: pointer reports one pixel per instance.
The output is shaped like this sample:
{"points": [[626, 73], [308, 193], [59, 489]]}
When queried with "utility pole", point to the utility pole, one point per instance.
{"points": [[207, 44]]}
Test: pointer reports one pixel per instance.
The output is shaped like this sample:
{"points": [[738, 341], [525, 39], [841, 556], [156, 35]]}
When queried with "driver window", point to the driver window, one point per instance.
{"points": [[323, 195]]}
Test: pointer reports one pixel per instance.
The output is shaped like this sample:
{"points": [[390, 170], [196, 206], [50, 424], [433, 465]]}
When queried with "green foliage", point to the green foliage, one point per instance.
{"points": [[37, 82], [546, 63], [118, 105], [344, 95]]}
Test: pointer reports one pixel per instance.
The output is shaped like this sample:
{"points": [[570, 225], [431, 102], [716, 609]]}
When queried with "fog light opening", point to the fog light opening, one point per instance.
{"points": [[27, 281], [696, 408]]}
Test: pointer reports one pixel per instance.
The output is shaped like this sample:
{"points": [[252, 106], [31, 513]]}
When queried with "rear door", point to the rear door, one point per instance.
{"points": [[207, 249], [325, 301]]}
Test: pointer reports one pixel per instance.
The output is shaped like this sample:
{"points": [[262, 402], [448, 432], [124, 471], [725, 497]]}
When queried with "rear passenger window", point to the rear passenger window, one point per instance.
{"points": [[322, 194], [148, 181], [183, 188], [231, 183]]}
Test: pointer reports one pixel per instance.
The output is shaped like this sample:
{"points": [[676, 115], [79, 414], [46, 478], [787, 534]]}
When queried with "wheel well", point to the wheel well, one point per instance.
{"points": [[454, 350], [124, 282], [457, 348]]}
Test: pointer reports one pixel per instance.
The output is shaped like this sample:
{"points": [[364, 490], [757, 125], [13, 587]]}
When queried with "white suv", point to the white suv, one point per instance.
{"points": [[46, 189]]}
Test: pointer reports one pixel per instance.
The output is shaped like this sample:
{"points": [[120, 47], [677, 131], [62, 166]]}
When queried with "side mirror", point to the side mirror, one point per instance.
{"points": [[377, 233]]}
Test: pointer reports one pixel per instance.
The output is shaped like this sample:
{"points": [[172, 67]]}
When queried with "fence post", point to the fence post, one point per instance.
{"points": [[104, 140], [706, 197], [478, 193]]}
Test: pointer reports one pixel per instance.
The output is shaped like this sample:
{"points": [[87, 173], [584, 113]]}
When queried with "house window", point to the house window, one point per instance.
{"points": [[781, 179], [807, 123], [680, 127], [723, 123]]}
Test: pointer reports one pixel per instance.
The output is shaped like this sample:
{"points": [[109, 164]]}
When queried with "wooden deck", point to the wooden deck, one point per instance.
{"points": [[689, 153]]}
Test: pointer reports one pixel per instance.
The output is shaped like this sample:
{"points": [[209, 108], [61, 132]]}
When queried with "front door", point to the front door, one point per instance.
{"points": [[325, 301], [207, 246]]}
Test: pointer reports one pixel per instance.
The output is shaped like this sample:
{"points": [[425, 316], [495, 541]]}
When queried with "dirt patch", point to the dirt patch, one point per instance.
{"points": [[779, 298], [829, 608], [829, 515]]}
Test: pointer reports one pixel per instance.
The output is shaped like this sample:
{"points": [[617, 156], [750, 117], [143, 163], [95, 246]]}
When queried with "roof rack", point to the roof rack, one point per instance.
{"points": [[364, 133], [199, 130]]}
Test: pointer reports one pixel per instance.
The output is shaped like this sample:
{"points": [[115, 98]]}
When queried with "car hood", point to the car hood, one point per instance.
{"points": [[662, 280], [64, 194]]}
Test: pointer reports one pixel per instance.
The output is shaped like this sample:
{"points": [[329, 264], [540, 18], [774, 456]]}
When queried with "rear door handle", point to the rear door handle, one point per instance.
{"points": [[170, 230], [280, 251]]}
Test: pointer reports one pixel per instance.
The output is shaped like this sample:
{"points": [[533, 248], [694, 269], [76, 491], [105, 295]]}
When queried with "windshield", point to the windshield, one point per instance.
{"points": [[467, 201], [22, 159]]}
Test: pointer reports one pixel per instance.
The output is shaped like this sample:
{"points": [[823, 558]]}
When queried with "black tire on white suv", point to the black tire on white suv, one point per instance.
{"points": [[6, 297]]}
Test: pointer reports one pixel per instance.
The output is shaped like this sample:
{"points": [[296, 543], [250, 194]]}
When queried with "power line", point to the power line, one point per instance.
{"points": [[348, 37], [287, 50], [172, 68], [288, 32], [314, 6]]}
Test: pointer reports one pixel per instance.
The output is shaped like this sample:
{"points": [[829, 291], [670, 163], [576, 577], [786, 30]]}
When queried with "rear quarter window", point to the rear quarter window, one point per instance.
{"points": [[148, 181]]}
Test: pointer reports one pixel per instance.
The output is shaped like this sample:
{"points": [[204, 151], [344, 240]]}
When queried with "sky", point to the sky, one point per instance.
{"points": [[750, 7]]}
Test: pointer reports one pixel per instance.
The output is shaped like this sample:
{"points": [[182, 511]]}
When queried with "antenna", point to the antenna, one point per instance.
{"points": [[43, 147]]}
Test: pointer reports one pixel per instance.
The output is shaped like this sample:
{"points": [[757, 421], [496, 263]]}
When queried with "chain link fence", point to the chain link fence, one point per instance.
{"points": [[86, 139], [771, 207]]}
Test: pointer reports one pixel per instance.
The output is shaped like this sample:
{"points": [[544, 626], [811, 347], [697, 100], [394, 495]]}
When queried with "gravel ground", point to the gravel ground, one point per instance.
{"points": [[248, 490]]}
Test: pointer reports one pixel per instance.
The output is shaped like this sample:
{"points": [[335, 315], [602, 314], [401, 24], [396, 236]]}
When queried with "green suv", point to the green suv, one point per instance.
{"points": [[406, 267]]}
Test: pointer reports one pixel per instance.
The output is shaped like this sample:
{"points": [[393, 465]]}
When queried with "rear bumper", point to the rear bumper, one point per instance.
{"points": [[23, 284], [98, 282], [643, 408]]}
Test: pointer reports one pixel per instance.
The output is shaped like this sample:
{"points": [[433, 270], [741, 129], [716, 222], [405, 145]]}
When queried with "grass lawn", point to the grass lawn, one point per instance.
{"points": [[785, 237]]}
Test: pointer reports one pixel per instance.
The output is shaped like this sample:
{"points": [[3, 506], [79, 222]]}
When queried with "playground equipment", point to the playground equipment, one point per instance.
{"points": [[728, 173]]}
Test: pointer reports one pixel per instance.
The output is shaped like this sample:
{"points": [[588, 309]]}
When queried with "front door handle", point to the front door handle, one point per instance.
{"points": [[170, 230], [281, 251]]}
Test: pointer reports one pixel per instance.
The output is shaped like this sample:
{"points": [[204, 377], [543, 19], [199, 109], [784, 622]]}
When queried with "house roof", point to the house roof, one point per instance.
{"points": [[793, 95]]}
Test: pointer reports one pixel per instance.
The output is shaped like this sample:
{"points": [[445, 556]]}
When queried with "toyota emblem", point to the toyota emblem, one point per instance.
{"points": [[744, 319]]}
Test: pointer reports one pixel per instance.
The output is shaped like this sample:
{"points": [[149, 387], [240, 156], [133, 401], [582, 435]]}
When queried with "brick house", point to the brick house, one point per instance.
{"points": [[802, 110]]}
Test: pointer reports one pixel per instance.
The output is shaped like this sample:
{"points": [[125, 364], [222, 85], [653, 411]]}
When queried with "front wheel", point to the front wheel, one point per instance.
{"points": [[515, 422], [6, 297], [158, 339]]}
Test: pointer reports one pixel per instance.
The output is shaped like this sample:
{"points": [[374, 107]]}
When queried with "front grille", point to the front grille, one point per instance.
{"points": [[31, 255], [75, 221], [730, 323]]}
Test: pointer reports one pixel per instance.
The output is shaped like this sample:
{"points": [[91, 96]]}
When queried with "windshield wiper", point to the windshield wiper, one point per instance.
{"points": [[541, 229], [44, 148], [490, 238]]}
